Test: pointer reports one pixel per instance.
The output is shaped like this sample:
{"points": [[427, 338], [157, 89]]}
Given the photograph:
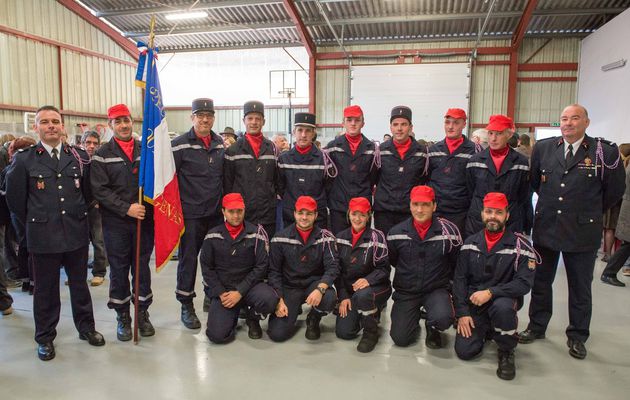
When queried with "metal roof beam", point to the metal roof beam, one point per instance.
{"points": [[181, 8], [213, 29], [523, 23], [306, 38]]}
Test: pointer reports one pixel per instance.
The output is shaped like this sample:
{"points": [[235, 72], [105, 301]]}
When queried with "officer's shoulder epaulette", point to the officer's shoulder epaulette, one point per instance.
{"points": [[546, 140], [605, 141], [26, 148]]}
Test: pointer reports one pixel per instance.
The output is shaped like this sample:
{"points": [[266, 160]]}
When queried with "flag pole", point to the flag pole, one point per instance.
{"points": [[136, 284]]}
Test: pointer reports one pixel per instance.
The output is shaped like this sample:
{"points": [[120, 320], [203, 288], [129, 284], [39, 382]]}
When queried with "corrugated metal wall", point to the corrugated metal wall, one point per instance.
{"points": [[536, 102], [276, 120], [29, 70]]}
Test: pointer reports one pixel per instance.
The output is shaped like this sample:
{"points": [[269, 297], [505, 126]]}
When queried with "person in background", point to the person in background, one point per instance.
{"points": [[480, 138], [229, 137], [281, 142], [387, 137], [91, 141], [622, 231]]}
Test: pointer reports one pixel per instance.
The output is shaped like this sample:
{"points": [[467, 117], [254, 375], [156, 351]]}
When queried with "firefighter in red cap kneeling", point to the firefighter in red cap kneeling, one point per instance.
{"points": [[303, 267], [363, 284], [234, 261], [495, 269], [423, 250]]}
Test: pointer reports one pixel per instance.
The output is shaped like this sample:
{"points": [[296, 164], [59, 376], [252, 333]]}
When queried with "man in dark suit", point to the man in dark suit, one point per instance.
{"points": [[48, 191], [577, 179]]}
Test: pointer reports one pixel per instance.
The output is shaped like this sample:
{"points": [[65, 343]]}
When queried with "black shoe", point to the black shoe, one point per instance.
{"points": [[506, 369], [433, 339], [368, 341], [46, 351], [123, 330], [528, 336], [612, 280], [94, 338], [26, 286], [144, 325], [206, 304], [255, 331], [576, 349], [189, 318], [312, 326]]}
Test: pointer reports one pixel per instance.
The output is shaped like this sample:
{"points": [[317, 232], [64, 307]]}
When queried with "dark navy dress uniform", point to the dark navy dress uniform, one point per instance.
{"points": [[356, 262], [513, 181], [256, 179], [49, 199], [508, 272], [447, 177], [295, 270], [303, 175], [115, 186], [200, 176], [396, 177], [356, 175], [235, 264], [569, 220], [421, 279]]}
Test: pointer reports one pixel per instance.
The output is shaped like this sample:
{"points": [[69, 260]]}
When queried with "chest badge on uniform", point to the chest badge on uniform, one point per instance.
{"points": [[353, 260], [40, 184], [353, 167], [531, 264], [77, 183], [401, 169], [588, 161], [303, 259], [447, 170]]}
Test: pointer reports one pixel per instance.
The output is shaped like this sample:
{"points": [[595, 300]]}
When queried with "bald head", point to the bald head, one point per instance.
{"points": [[573, 122]]}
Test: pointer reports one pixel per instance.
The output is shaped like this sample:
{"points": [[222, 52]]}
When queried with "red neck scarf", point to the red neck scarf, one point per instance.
{"points": [[127, 147], [356, 235], [255, 141], [402, 148], [498, 156], [303, 150], [422, 228], [304, 234], [453, 144], [234, 230], [354, 142], [492, 238], [205, 140]]}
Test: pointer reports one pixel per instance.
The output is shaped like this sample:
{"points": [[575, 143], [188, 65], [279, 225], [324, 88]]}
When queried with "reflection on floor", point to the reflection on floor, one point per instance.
{"points": [[181, 364]]}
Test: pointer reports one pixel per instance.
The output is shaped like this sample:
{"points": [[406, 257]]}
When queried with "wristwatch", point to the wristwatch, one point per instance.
{"points": [[321, 289]]}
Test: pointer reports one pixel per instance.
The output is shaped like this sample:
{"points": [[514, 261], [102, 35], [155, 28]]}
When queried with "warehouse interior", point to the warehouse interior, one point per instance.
{"points": [[522, 58]]}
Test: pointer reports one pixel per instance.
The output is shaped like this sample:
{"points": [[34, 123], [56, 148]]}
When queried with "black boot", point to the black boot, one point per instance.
{"points": [[312, 325], [123, 330], [144, 325], [433, 339], [189, 318], [506, 370], [370, 334]]}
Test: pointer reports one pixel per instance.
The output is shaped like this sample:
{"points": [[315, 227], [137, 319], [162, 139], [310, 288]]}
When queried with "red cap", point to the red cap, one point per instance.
{"points": [[456, 113], [495, 200], [305, 203], [233, 201], [352, 111], [360, 204], [422, 193], [119, 110], [499, 123]]}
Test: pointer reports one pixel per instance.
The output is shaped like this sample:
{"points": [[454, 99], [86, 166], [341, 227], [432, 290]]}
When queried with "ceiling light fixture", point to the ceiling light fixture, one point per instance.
{"points": [[186, 15], [613, 65]]}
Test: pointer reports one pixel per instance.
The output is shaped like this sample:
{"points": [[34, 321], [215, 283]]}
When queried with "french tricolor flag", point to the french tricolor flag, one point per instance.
{"points": [[157, 167]]}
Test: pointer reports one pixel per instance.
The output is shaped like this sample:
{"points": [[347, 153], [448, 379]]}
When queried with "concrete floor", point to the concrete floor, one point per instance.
{"points": [[181, 364]]}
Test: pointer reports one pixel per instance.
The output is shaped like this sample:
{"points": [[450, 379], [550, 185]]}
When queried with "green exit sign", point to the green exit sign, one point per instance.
{"points": [[554, 124]]}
